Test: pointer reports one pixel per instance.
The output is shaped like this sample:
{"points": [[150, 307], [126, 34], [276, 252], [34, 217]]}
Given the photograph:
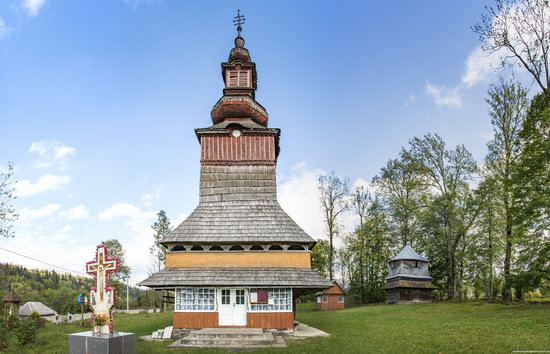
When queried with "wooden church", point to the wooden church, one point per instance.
{"points": [[238, 260], [409, 279]]}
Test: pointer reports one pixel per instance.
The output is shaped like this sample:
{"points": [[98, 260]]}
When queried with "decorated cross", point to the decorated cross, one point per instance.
{"points": [[102, 296]]}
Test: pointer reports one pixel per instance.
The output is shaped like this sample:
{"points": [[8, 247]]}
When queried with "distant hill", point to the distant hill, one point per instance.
{"points": [[58, 290]]}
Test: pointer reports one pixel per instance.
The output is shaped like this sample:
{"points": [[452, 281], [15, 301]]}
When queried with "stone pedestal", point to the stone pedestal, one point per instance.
{"points": [[87, 343]]}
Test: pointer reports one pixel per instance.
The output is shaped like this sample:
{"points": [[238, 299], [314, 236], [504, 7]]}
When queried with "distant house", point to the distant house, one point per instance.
{"points": [[409, 279], [43, 310], [332, 298]]}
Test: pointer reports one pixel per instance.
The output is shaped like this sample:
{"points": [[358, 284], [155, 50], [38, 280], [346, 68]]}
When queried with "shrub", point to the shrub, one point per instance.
{"points": [[35, 316], [3, 335], [13, 322], [26, 332]]}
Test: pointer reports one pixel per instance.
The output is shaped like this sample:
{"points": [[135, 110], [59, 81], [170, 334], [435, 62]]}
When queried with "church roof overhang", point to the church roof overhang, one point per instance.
{"points": [[300, 278]]}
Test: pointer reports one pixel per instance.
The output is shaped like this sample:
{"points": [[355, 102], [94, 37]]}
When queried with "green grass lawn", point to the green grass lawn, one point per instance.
{"points": [[430, 328]]}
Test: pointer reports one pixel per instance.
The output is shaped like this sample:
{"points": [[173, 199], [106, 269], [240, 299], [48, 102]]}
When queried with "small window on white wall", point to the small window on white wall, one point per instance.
{"points": [[318, 299]]}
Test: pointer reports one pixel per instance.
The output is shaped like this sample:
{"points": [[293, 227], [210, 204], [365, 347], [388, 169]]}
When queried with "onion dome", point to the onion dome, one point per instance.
{"points": [[239, 52]]}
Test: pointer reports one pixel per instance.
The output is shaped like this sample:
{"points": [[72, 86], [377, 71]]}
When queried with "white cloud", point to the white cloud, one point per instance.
{"points": [[480, 67], [155, 195], [51, 151], [299, 197], [136, 217], [33, 7], [25, 188], [79, 212], [4, 29], [444, 96], [27, 214]]}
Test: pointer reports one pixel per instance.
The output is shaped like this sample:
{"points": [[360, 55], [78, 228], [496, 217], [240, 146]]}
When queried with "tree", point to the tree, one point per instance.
{"points": [[333, 193], [518, 31], [487, 248], [401, 188], [508, 106], [360, 204], [532, 198], [446, 172], [319, 257], [7, 211], [114, 247], [162, 229], [532, 174]]}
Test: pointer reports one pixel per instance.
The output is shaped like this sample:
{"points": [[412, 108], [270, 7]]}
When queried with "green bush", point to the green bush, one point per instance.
{"points": [[13, 322], [3, 335], [26, 332], [35, 316]]}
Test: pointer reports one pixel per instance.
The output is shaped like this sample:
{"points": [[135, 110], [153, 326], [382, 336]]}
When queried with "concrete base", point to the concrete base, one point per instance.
{"points": [[87, 343], [229, 338]]}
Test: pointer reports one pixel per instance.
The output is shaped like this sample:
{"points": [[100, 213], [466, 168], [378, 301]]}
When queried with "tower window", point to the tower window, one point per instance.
{"points": [[236, 248], [275, 248], [197, 248], [178, 248], [295, 248], [215, 248], [238, 78], [256, 248]]}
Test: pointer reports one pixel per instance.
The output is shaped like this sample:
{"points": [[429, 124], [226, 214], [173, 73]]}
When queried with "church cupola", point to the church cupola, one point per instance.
{"points": [[239, 75]]}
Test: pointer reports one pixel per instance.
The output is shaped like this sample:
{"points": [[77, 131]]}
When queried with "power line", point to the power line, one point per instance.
{"points": [[21, 248], [37, 260]]}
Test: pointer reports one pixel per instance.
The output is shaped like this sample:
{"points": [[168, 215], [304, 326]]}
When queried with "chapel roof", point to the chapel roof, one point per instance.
{"points": [[408, 253]]}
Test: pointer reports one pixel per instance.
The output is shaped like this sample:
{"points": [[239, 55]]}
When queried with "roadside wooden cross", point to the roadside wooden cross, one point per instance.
{"points": [[102, 296]]}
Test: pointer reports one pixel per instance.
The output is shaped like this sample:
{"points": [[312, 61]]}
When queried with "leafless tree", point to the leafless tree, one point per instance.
{"points": [[519, 30], [333, 194], [7, 211]]}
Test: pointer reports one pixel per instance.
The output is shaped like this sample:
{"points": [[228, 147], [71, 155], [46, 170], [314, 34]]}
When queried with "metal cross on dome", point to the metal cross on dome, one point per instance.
{"points": [[239, 21]]}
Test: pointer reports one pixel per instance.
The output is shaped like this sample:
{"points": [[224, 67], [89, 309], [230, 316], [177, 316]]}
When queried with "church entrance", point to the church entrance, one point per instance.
{"points": [[232, 309]]}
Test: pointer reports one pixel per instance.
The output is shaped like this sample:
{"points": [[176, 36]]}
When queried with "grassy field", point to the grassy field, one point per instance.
{"points": [[431, 328]]}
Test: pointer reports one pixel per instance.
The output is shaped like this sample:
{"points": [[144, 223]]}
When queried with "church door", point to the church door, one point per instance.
{"points": [[232, 309]]}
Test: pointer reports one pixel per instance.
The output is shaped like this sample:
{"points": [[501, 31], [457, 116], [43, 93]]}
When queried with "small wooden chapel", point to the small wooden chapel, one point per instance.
{"points": [[238, 260]]}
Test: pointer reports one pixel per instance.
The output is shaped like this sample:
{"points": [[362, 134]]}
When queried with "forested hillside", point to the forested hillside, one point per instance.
{"points": [[60, 290]]}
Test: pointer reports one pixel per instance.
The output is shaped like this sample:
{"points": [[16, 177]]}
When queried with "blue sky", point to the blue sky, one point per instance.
{"points": [[99, 99]]}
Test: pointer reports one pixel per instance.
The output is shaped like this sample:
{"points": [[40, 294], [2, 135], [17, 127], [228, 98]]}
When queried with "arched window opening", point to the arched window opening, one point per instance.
{"points": [[236, 248], [295, 248], [216, 248], [257, 248], [178, 248], [275, 248], [197, 248]]}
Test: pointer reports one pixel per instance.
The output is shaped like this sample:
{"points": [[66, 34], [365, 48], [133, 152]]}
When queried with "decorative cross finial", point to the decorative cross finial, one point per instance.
{"points": [[238, 21]]}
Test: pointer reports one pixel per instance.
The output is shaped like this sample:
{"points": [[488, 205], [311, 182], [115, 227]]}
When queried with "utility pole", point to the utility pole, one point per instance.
{"points": [[127, 296]]}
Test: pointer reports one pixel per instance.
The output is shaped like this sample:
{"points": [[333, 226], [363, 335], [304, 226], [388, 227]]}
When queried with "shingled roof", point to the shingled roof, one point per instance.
{"points": [[255, 277], [238, 204], [239, 222]]}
